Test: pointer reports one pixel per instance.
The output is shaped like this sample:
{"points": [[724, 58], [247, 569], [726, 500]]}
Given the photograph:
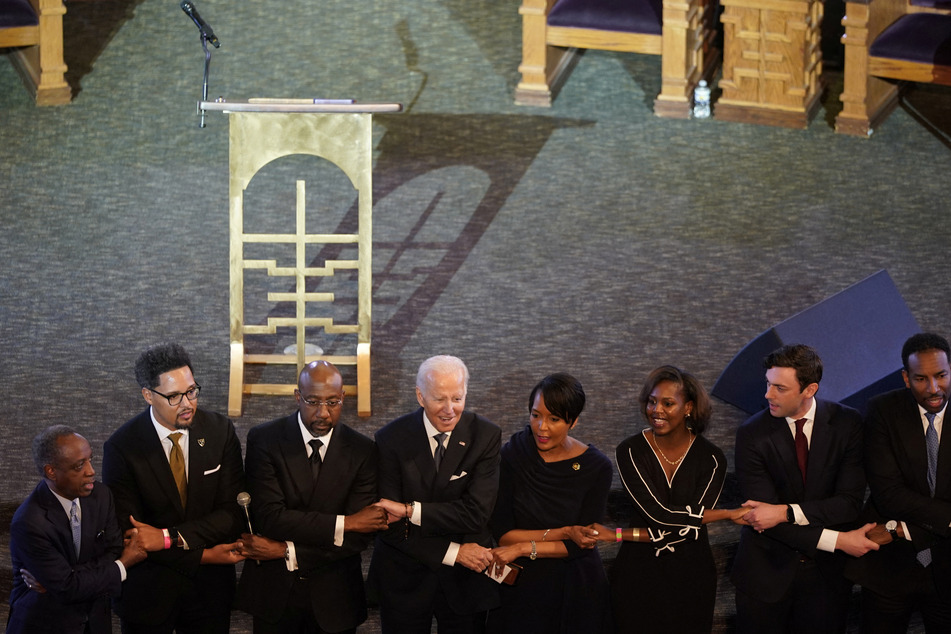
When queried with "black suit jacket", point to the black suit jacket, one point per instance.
{"points": [[896, 462], [136, 469], [767, 471], [77, 588], [287, 506], [457, 502]]}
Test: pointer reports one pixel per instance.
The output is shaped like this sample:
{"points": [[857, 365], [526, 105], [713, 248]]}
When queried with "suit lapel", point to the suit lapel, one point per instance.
{"points": [[456, 450], [295, 458], [819, 445], [421, 450], [910, 432], [785, 446], [57, 517], [336, 462], [154, 454]]}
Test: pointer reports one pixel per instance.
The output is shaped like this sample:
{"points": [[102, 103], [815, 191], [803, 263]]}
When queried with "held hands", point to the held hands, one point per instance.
{"points": [[260, 548], [394, 510], [474, 556], [151, 538], [762, 516], [738, 515], [879, 535], [223, 554], [605, 534], [583, 536], [503, 555], [856, 542], [369, 519], [133, 548]]}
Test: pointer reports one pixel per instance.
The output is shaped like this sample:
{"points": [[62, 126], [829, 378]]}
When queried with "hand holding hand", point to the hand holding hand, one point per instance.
{"points": [[856, 542], [738, 515], [151, 538], [879, 535], [583, 536], [369, 519], [474, 557], [762, 516], [260, 548], [394, 510], [605, 534], [222, 554], [502, 556], [133, 549]]}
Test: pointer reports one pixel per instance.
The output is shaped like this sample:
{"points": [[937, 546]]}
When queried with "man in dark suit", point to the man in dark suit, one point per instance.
{"points": [[313, 484], [439, 477], [62, 589], [175, 471], [799, 464], [908, 462]]}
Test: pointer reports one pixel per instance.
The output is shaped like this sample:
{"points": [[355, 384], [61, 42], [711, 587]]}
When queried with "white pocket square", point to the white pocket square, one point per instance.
{"points": [[456, 477], [210, 471]]}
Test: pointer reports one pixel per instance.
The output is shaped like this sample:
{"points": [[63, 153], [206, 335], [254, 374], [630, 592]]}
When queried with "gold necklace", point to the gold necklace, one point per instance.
{"points": [[676, 462]]}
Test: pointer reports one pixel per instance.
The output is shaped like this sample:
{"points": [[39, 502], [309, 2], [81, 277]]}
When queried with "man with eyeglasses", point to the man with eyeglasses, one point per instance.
{"points": [[175, 472], [313, 484]]}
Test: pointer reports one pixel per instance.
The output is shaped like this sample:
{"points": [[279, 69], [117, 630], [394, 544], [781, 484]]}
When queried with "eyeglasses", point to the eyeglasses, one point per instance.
{"points": [[175, 399], [331, 404]]}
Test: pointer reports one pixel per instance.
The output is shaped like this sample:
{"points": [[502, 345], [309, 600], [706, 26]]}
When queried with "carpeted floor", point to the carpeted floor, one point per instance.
{"points": [[591, 237]]}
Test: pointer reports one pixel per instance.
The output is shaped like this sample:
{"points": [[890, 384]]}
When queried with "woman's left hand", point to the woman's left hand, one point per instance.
{"points": [[502, 555], [583, 536]]}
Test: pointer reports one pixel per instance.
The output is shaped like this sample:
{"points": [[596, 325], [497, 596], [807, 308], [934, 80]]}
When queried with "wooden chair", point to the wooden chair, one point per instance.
{"points": [[888, 41], [33, 30], [680, 31]]}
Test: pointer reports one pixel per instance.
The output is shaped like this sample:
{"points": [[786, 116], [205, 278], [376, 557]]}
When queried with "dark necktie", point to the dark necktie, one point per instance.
{"points": [[315, 461], [931, 445], [75, 526], [176, 460], [440, 449], [802, 448]]}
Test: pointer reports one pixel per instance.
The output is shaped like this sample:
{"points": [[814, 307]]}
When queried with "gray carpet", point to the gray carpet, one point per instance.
{"points": [[591, 237]]}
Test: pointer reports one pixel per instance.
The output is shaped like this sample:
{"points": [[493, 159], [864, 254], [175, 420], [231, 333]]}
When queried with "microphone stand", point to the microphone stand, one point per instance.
{"points": [[204, 83]]}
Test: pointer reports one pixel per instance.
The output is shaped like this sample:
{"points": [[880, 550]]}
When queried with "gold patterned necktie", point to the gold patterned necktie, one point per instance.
{"points": [[176, 460]]}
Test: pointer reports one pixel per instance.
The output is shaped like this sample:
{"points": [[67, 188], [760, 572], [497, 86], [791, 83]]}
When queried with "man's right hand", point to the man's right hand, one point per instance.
{"points": [[222, 554], [369, 519], [151, 538], [474, 557], [31, 581], [133, 548], [856, 542]]}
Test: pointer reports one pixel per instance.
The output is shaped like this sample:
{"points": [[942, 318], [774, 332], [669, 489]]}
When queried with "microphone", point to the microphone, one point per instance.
{"points": [[203, 26], [244, 500]]}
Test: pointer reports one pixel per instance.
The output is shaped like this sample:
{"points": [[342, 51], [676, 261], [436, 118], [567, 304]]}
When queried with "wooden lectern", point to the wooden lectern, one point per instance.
{"points": [[263, 130]]}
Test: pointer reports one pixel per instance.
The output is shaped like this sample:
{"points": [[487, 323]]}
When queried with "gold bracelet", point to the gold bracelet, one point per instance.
{"points": [[546, 534], [636, 534]]}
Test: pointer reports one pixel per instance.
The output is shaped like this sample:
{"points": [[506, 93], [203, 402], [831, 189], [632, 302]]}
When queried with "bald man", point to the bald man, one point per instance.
{"points": [[312, 482]]}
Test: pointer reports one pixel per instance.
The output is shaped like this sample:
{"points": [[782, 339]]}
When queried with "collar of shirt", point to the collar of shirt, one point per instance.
{"points": [[938, 419], [307, 437], [431, 431], [67, 504], [807, 427], [164, 433]]}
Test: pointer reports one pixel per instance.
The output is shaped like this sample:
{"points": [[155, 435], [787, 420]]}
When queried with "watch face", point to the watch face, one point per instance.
{"points": [[891, 525]]}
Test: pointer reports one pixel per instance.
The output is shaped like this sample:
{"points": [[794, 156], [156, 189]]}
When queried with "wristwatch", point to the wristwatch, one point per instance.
{"points": [[534, 554], [173, 536], [790, 515], [892, 527]]}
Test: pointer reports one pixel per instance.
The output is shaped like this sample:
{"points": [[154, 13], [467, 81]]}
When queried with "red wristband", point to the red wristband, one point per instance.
{"points": [[619, 535], [168, 539]]}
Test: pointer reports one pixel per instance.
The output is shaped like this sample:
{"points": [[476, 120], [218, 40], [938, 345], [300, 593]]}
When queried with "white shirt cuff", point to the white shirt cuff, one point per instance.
{"points": [[122, 573], [290, 559], [905, 532], [827, 540], [801, 519], [417, 517], [338, 531], [451, 553]]}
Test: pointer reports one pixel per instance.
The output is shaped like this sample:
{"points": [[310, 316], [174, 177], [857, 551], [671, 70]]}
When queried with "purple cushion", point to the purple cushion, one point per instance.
{"points": [[17, 13], [629, 16], [916, 37]]}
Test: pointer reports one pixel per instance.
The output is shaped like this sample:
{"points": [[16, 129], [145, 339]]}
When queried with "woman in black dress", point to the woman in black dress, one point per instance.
{"points": [[552, 489], [664, 578]]}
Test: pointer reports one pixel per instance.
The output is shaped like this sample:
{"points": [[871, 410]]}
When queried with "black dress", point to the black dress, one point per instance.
{"points": [[552, 595], [670, 583]]}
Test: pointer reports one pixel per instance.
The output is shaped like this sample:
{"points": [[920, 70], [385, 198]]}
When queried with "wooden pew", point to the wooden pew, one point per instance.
{"points": [[33, 30]]}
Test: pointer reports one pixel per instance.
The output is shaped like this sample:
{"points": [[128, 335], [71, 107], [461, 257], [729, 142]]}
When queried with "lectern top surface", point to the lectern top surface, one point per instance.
{"points": [[268, 104]]}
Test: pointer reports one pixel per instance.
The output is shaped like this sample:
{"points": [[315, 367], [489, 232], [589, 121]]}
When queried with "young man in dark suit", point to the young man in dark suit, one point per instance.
{"points": [[799, 465], [908, 463], [58, 588], [439, 477], [312, 482], [175, 471]]}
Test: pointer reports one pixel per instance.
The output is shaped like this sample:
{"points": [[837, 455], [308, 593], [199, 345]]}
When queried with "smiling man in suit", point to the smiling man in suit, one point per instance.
{"points": [[57, 587], [175, 471], [908, 462], [312, 481], [439, 477], [799, 464]]}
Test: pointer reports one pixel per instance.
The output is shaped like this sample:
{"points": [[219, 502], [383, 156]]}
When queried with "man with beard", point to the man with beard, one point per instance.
{"points": [[313, 483], [175, 471], [908, 464]]}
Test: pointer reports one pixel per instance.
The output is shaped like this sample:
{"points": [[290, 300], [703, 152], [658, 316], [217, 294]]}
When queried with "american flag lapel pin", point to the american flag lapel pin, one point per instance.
{"points": [[201, 442]]}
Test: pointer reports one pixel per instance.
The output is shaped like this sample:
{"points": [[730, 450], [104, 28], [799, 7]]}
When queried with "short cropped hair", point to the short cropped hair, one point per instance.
{"points": [[159, 359], [441, 364], [693, 392], [563, 394], [921, 342], [801, 358], [46, 448]]}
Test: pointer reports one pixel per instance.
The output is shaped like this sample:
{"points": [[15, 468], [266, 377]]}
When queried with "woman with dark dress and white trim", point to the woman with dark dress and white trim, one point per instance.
{"points": [[664, 578], [552, 489]]}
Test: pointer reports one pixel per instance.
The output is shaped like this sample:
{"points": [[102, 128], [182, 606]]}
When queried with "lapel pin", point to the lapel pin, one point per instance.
{"points": [[201, 442], [575, 466], [462, 442]]}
